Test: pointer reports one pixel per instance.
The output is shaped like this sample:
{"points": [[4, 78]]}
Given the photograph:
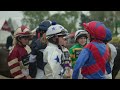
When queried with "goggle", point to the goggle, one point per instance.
{"points": [[25, 37]]}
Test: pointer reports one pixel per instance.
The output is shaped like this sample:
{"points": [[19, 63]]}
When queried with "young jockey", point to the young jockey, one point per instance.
{"points": [[67, 63], [81, 41], [93, 59], [36, 66], [18, 59], [112, 51], [53, 54]]}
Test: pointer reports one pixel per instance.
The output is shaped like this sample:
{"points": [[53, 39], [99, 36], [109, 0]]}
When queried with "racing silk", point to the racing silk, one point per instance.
{"points": [[52, 57], [66, 63], [18, 61], [93, 60], [74, 53]]}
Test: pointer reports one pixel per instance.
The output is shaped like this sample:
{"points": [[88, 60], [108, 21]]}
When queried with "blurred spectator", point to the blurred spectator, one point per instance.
{"points": [[9, 41]]}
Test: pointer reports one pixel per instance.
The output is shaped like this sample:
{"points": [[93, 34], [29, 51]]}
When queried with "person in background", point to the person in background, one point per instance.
{"points": [[112, 51], [116, 67], [9, 42], [66, 61], [18, 59], [39, 43], [81, 41]]}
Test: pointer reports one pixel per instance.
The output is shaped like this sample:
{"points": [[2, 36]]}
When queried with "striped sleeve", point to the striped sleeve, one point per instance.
{"points": [[15, 69], [14, 65]]}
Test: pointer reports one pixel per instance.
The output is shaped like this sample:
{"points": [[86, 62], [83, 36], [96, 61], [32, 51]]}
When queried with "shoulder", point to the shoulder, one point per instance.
{"points": [[9, 37], [15, 49], [28, 49], [13, 53], [49, 49], [89, 45], [112, 47]]}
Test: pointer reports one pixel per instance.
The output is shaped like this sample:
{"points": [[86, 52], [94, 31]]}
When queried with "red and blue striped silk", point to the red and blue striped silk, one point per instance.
{"points": [[92, 60]]}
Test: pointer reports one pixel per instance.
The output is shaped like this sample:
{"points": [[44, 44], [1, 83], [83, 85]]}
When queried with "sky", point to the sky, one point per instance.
{"points": [[18, 14], [13, 14]]}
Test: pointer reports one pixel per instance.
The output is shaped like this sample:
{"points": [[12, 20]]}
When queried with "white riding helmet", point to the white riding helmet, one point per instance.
{"points": [[79, 33], [57, 29]]}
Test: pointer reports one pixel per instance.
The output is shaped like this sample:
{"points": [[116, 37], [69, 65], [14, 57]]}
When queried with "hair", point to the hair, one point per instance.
{"points": [[83, 35], [43, 40], [53, 40]]}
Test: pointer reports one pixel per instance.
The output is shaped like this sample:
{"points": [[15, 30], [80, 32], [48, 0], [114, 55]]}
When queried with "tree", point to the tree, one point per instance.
{"points": [[110, 18], [67, 19], [33, 18], [84, 19]]}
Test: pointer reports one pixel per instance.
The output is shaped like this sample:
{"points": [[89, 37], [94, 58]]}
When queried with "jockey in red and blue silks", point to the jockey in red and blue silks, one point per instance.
{"points": [[93, 59]]}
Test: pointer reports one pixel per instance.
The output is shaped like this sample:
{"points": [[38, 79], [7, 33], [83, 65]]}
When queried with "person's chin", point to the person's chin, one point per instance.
{"points": [[83, 44]]}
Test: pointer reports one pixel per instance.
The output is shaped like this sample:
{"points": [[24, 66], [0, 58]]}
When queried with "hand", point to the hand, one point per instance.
{"points": [[29, 77], [68, 73]]}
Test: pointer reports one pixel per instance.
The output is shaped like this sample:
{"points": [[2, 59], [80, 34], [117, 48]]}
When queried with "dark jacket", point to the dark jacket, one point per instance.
{"points": [[9, 41], [37, 48]]}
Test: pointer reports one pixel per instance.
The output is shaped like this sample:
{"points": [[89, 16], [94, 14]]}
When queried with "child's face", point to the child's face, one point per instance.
{"points": [[82, 40], [62, 41], [25, 41]]}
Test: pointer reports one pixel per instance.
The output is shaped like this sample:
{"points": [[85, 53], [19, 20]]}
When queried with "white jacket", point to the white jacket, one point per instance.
{"points": [[52, 56], [113, 54]]}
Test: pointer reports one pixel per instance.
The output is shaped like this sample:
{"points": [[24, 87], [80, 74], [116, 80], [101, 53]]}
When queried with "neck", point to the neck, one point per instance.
{"points": [[20, 44]]}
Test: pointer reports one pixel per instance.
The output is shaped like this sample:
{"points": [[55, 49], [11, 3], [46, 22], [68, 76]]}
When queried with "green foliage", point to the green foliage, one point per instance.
{"points": [[84, 18], [33, 18], [110, 18], [67, 19], [115, 40]]}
